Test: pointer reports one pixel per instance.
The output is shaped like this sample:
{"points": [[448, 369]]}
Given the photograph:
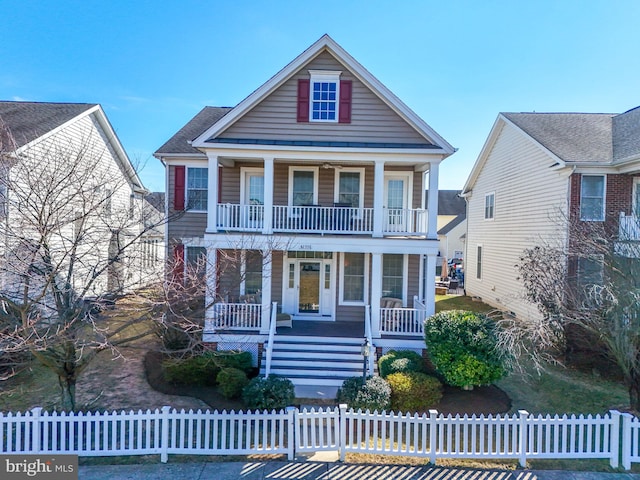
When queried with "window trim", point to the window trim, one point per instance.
{"points": [[328, 76], [244, 172], [366, 280], [336, 185], [296, 168], [492, 196], [186, 189], [604, 197], [405, 274]]}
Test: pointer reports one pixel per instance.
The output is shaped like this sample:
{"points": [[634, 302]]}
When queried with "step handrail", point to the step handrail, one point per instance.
{"points": [[367, 333], [272, 333]]}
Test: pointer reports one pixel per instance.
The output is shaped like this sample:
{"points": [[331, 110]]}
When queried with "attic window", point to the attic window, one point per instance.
{"points": [[324, 98]]}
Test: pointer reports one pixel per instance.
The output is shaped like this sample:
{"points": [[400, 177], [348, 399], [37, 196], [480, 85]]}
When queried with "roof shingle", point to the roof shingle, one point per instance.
{"points": [[179, 143]]}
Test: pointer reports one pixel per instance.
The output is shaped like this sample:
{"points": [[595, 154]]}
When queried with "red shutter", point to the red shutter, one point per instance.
{"points": [[178, 190], [178, 262], [303, 100], [345, 101]]}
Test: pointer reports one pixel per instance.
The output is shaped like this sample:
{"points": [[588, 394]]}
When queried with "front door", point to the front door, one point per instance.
{"points": [[308, 289], [395, 197]]}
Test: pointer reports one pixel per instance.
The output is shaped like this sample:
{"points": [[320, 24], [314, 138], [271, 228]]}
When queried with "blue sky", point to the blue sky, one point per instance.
{"points": [[154, 64]]}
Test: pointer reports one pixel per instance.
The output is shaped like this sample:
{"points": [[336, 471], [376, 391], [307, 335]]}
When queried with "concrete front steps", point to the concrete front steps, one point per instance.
{"points": [[315, 363]]}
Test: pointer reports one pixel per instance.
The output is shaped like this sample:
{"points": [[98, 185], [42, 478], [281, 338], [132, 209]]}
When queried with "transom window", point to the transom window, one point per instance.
{"points": [[197, 186], [592, 195], [325, 93]]}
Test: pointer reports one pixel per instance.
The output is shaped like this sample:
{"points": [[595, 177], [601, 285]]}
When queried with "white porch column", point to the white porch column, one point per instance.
{"points": [[432, 226], [211, 292], [376, 293], [267, 226], [430, 285], [267, 259], [212, 194], [378, 199]]}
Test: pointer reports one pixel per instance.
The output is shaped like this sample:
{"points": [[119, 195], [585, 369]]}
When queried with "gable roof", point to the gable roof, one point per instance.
{"points": [[626, 135], [573, 137], [452, 224], [449, 202], [31, 120], [326, 43], [180, 143]]}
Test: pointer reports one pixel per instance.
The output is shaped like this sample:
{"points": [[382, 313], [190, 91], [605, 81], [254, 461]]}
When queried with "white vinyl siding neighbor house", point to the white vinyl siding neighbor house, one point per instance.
{"points": [[513, 168]]}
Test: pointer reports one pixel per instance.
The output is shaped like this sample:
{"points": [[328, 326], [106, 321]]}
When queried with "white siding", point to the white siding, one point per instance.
{"points": [[529, 199]]}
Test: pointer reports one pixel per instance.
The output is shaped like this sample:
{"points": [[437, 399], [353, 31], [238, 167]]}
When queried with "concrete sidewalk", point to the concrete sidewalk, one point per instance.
{"points": [[323, 471]]}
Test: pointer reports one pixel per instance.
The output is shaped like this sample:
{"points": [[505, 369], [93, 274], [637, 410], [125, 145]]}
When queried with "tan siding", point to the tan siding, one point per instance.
{"points": [[183, 224], [371, 121], [413, 282], [528, 199], [277, 258]]}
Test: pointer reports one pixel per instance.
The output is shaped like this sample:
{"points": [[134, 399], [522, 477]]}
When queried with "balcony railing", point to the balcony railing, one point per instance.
{"points": [[321, 220]]}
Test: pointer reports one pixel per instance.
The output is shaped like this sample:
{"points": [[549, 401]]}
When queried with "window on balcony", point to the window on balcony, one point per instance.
{"points": [[303, 186], [592, 198], [252, 278], [197, 187], [349, 187]]}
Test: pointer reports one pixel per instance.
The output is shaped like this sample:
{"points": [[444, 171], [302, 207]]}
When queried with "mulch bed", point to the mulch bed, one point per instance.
{"points": [[480, 400]]}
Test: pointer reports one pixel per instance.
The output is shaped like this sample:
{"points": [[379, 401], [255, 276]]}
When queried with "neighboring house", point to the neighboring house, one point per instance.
{"points": [[452, 226], [535, 173], [91, 216], [316, 180]]}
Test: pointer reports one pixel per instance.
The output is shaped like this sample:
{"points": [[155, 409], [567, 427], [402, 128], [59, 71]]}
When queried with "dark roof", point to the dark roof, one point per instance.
{"points": [[626, 134], [449, 203], [573, 137], [179, 143], [452, 224], [30, 120]]}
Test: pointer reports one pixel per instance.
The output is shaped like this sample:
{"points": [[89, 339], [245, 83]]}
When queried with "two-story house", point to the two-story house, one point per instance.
{"points": [[315, 184], [538, 174], [67, 183]]}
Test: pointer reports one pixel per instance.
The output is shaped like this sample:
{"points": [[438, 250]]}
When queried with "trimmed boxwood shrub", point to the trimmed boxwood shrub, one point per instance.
{"points": [[203, 369], [400, 361], [413, 391], [231, 381], [462, 347], [268, 393], [375, 394]]}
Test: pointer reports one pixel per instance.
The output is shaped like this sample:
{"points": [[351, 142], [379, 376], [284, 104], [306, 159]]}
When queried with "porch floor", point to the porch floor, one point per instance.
{"points": [[323, 329]]}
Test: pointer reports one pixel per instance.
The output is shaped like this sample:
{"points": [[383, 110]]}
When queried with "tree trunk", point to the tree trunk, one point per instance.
{"points": [[67, 392]]}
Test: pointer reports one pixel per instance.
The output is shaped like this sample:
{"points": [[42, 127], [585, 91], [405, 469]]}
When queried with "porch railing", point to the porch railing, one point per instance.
{"points": [[237, 316], [402, 321], [629, 227], [272, 333], [319, 219]]}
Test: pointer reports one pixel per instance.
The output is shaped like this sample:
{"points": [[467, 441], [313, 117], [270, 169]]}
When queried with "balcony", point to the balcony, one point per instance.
{"points": [[316, 219]]}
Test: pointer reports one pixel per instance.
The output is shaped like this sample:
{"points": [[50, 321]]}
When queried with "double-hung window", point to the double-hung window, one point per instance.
{"points": [[592, 198], [489, 205], [325, 95], [252, 280], [393, 275], [197, 187], [350, 187], [196, 261], [354, 275]]}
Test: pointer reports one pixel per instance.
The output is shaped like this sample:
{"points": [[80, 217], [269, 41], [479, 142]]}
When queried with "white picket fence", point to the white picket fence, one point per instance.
{"points": [[613, 436]]}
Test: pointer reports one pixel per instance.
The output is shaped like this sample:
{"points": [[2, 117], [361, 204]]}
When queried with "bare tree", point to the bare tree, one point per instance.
{"points": [[588, 295], [69, 245]]}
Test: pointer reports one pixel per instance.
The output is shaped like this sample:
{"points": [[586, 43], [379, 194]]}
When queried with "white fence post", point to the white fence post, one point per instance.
{"points": [[433, 435], [164, 437], [523, 434], [342, 426], [626, 441], [36, 429], [614, 438], [292, 419]]}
